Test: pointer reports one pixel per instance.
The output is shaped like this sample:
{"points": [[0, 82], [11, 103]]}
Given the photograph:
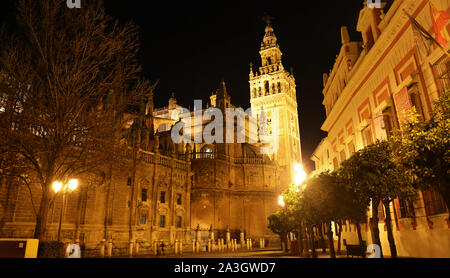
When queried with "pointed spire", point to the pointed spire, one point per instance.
{"points": [[222, 88], [172, 101], [251, 71]]}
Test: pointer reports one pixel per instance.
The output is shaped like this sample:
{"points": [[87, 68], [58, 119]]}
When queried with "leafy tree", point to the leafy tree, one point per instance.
{"points": [[372, 174], [67, 78], [282, 223], [294, 206], [422, 148], [327, 200]]}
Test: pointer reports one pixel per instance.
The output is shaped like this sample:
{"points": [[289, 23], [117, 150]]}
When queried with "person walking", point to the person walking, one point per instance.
{"points": [[162, 248]]}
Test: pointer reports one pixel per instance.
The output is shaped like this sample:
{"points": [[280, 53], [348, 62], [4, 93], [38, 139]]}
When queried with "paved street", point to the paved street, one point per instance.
{"points": [[254, 254]]}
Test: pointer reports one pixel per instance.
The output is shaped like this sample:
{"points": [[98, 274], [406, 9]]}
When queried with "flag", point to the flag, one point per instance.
{"points": [[440, 19], [420, 33]]}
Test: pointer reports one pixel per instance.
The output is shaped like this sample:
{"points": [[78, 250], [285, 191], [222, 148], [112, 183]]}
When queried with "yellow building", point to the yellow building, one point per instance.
{"points": [[371, 84]]}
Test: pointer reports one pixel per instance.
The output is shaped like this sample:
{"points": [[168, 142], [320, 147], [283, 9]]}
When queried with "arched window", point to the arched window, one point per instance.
{"points": [[279, 87], [267, 87]]}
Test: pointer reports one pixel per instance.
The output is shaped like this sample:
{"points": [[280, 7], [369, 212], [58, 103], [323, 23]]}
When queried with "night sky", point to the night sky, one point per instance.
{"points": [[190, 46]]}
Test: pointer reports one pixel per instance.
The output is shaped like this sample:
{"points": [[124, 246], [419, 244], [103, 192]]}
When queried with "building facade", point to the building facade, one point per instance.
{"points": [[366, 94]]}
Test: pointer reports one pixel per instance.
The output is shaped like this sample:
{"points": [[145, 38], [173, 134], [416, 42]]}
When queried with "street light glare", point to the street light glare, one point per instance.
{"points": [[300, 174], [57, 186], [281, 201], [298, 167], [73, 184]]}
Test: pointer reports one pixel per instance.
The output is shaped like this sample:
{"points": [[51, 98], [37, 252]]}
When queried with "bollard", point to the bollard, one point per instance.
{"points": [[66, 251], [198, 246], [110, 247], [209, 246], [180, 247], [176, 247], [193, 246], [102, 248], [130, 250], [251, 244], [136, 249]]}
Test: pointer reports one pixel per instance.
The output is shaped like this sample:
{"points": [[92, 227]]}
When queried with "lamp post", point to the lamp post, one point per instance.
{"points": [[58, 186]]}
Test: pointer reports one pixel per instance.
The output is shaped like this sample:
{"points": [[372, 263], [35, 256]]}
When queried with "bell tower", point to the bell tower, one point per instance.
{"points": [[273, 88]]}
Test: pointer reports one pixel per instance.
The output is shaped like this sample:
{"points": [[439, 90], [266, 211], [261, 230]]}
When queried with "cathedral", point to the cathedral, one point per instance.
{"points": [[185, 191]]}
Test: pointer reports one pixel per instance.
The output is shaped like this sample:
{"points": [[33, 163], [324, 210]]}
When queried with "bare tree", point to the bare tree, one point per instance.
{"points": [[67, 80]]}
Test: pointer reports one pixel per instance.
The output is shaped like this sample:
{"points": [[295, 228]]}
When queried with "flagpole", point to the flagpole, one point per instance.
{"points": [[422, 29]]}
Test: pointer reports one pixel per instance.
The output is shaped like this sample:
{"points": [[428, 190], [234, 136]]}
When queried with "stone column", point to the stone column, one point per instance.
{"points": [[242, 239]]}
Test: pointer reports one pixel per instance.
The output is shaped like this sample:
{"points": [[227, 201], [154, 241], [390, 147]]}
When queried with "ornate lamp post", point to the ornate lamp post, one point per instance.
{"points": [[58, 186]]}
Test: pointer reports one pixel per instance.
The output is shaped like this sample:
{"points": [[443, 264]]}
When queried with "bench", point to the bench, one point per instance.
{"points": [[356, 250]]}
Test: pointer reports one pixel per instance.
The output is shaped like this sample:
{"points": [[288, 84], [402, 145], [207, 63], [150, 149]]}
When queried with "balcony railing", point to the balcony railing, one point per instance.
{"points": [[235, 160]]}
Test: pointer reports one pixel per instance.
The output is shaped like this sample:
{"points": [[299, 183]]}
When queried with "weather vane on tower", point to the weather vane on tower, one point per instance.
{"points": [[267, 19]]}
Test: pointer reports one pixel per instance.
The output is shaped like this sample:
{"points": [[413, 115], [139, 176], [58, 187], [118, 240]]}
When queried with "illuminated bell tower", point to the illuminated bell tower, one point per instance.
{"points": [[274, 87]]}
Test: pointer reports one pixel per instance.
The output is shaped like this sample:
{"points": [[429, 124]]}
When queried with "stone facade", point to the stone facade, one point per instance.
{"points": [[365, 95]]}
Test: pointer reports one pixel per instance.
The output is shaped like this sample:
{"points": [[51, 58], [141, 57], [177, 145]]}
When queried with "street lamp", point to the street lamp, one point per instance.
{"points": [[58, 186], [300, 176], [281, 201]]}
